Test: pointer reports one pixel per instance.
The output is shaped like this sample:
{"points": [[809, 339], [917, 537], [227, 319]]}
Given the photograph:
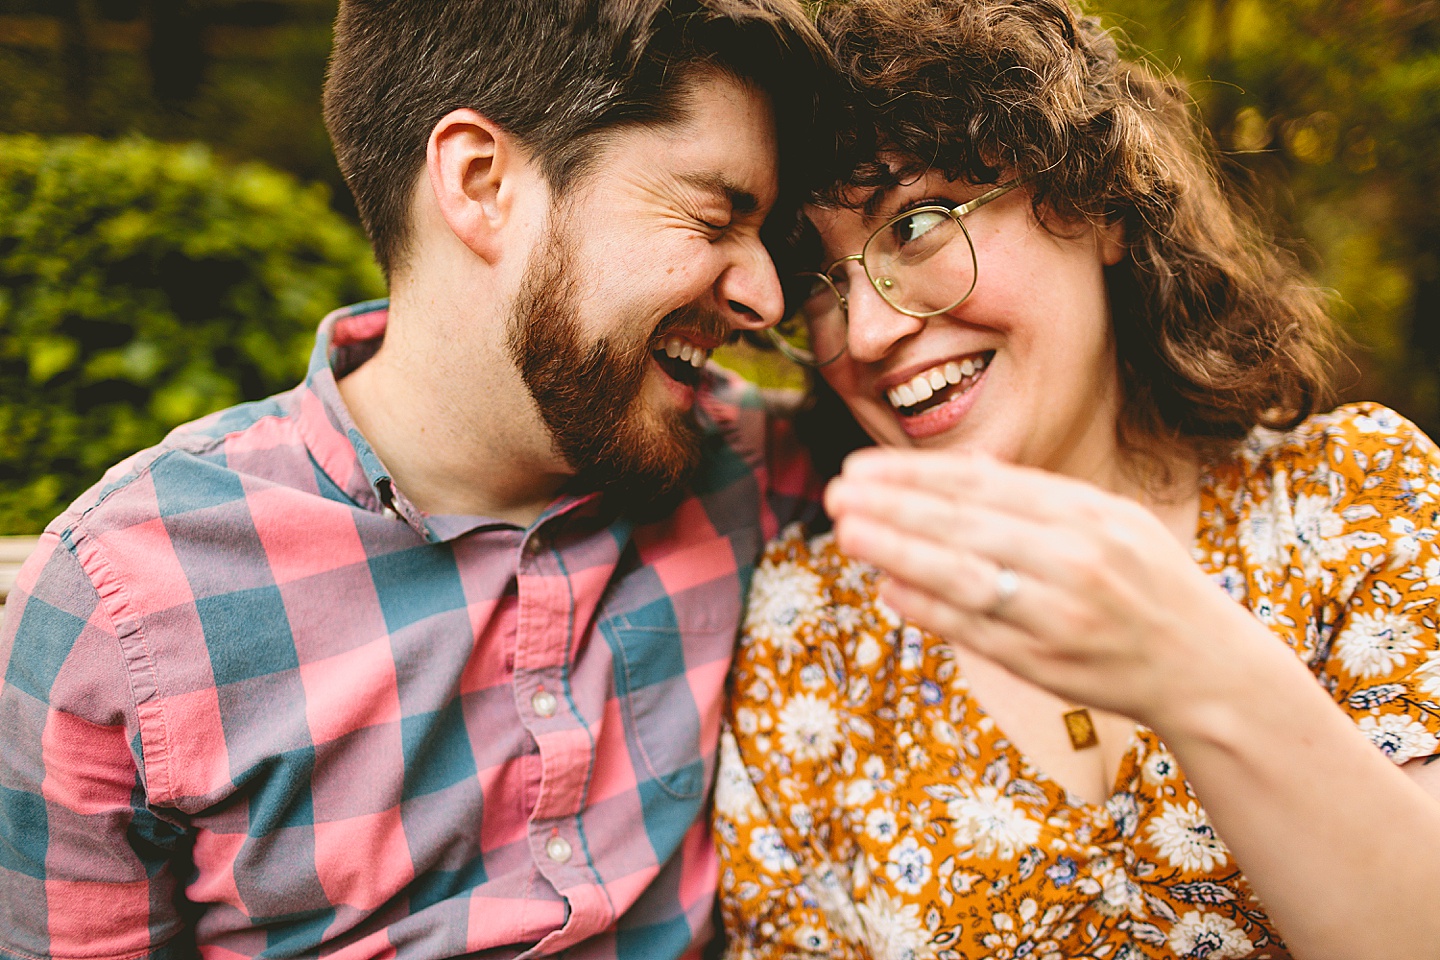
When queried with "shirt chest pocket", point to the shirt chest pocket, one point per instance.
{"points": [[669, 682]]}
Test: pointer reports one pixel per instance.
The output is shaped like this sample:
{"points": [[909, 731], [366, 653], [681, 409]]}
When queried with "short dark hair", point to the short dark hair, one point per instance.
{"points": [[1217, 329], [555, 74]]}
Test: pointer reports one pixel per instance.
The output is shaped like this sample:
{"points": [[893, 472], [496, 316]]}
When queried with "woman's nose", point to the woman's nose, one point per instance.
{"points": [[875, 327]]}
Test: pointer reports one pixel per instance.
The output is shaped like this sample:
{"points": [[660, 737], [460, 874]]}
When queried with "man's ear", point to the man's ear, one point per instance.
{"points": [[475, 170]]}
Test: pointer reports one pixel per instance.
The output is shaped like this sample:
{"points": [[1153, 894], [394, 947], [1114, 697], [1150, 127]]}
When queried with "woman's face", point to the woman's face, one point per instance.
{"points": [[1032, 345]]}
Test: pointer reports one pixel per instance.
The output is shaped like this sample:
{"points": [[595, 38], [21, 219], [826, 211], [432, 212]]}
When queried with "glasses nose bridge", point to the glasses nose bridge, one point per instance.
{"points": [[842, 261]]}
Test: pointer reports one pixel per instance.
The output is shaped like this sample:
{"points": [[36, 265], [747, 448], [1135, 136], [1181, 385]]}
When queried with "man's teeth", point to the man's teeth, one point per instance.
{"points": [[683, 350], [925, 385]]}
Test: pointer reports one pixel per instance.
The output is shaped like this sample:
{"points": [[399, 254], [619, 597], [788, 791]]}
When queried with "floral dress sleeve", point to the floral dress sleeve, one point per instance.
{"points": [[1343, 549], [781, 894]]}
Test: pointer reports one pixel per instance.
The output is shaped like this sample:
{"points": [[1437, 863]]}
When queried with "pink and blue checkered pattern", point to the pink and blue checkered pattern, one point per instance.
{"points": [[256, 705]]}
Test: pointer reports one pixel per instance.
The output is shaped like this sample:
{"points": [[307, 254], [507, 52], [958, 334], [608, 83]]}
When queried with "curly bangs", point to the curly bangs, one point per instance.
{"points": [[1217, 329]]}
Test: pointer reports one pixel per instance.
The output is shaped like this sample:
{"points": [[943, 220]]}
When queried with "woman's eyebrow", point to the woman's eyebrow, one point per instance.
{"points": [[871, 207]]}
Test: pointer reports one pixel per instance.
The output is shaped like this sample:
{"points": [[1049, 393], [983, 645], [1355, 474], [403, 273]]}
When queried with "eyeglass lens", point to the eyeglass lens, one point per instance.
{"points": [[813, 331], [921, 263]]}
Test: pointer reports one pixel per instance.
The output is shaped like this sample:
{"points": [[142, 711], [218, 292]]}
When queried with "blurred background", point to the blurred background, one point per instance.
{"points": [[172, 224]]}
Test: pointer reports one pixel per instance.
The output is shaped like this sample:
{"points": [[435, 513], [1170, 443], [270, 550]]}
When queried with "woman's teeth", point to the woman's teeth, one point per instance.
{"points": [[687, 352], [924, 386]]}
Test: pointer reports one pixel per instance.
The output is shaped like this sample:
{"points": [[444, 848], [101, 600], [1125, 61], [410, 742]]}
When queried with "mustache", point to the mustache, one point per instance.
{"points": [[699, 322]]}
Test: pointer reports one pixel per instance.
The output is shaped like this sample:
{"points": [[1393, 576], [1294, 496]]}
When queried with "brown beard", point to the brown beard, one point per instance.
{"points": [[589, 395]]}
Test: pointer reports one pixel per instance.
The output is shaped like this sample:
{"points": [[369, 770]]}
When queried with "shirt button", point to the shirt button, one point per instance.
{"points": [[557, 849], [545, 704]]}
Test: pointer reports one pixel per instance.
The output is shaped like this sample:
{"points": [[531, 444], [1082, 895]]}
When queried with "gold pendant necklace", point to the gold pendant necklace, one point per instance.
{"points": [[1081, 727]]}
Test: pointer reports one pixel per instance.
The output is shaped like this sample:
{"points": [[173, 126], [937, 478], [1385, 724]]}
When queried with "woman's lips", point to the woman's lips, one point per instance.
{"points": [[933, 387]]}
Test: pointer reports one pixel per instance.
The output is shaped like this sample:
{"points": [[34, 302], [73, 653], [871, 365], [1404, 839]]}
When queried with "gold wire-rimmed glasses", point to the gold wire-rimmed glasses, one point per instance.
{"points": [[910, 261]]}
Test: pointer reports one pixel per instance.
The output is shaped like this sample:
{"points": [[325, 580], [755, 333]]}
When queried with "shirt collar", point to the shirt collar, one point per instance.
{"points": [[347, 338]]}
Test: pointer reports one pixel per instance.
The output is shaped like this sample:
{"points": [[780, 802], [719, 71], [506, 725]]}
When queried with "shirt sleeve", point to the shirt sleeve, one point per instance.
{"points": [[1365, 517], [85, 864]]}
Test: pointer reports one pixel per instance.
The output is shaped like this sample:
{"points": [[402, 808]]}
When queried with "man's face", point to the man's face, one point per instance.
{"points": [[645, 268], [588, 391]]}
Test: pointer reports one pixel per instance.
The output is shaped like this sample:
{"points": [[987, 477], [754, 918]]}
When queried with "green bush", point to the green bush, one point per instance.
{"points": [[143, 285]]}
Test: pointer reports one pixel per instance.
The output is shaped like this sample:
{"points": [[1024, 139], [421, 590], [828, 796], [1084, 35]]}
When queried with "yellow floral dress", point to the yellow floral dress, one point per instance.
{"points": [[867, 807]]}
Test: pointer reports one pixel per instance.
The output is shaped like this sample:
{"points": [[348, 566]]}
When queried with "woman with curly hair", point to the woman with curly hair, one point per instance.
{"points": [[1114, 618]]}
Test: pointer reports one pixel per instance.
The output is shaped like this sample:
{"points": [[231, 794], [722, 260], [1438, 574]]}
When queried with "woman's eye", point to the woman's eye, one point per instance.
{"points": [[916, 225]]}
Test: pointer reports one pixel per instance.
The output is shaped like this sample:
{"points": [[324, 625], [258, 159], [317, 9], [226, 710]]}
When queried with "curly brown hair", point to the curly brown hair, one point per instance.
{"points": [[1217, 329]]}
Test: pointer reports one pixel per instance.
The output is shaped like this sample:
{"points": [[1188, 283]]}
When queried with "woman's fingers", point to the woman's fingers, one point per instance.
{"points": [[921, 526], [974, 478], [970, 582], [965, 577], [998, 638]]}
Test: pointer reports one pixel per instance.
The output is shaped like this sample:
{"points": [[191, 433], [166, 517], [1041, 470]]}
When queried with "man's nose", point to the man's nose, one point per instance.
{"points": [[749, 289]]}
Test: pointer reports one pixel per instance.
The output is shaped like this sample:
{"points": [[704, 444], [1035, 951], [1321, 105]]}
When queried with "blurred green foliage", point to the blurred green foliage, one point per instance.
{"points": [[1328, 113], [243, 76], [143, 285]]}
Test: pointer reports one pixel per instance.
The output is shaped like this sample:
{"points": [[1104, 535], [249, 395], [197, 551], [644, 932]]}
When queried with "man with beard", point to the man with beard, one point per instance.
{"points": [[425, 657]]}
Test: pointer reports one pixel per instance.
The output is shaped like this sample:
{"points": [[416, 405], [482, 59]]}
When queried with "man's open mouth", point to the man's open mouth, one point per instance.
{"points": [[930, 388], [681, 360]]}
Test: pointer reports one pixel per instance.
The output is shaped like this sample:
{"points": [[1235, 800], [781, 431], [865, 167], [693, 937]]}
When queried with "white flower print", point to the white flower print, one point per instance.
{"points": [[1319, 528], [1432, 571], [809, 728], [811, 939], [893, 928], [991, 824], [880, 825], [1185, 838], [734, 793], [1232, 581], [746, 721], [1208, 936], [1124, 811], [768, 847], [858, 793], [1118, 893], [1159, 767], [1374, 644], [1429, 675], [1383, 421], [912, 648], [867, 651], [1405, 548], [909, 866], [1260, 536], [1399, 737], [783, 597]]}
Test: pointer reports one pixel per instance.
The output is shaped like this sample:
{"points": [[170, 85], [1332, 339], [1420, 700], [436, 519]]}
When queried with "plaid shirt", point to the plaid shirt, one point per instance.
{"points": [[255, 702]]}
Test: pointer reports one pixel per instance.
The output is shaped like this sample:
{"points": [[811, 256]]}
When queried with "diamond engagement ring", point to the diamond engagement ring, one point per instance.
{"points": [[1007, 584]]}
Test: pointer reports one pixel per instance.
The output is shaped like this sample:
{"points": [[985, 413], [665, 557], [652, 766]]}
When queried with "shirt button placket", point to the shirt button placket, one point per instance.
{"points": [[558, 849], [544, 703]]}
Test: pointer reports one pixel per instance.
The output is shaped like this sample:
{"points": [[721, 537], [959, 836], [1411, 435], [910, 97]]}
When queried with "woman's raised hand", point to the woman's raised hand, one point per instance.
{"points": [[1077, 590]]}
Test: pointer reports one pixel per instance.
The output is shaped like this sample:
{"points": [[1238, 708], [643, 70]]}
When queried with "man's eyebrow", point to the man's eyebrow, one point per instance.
{"points": [[741, 201]]}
